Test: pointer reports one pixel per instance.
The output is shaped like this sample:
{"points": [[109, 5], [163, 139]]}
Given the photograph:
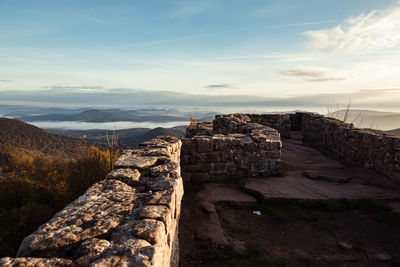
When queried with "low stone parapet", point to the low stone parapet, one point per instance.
{"points": [[352, 146], [129, 219], [234, 150], [239, 123]]}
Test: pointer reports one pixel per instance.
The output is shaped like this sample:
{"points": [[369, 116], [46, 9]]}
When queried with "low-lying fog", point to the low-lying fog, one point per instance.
{"points": [[118, 125]]}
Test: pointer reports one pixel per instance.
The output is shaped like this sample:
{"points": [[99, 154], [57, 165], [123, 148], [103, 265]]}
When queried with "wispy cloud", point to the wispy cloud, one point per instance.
{"points": [[305, 23], [94, 20], [74, 89], [187, 9], [161, 41], [377, 30], [120, 97], [314, 74], [220, 86], [5, 81]]}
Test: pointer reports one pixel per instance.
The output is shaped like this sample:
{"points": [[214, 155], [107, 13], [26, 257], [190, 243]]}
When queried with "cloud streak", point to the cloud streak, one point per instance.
{"points": [[120, 97], [313, 74], [220, 86], [74, 89], [306, 23], [94, 20], [375, 31]]}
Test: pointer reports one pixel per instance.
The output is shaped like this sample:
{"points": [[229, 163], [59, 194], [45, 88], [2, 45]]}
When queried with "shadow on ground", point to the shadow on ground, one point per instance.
{"points": [[319, 213]]}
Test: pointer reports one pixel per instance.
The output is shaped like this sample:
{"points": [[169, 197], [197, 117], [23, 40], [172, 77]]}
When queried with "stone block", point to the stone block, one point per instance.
{"points": [[99, 210], [38, 262], [126, 175], [164, 169], [157, 212], [139, 162], [204, 145], [152, 231]]}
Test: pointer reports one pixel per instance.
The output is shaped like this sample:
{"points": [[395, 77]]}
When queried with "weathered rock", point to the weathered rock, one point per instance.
{"points": [[162, 170], [152, 231], [133, 252], [90, 250], [95, 213], [140, 162], [126, 175], [37, 262], [160, 213], [166, 198]]}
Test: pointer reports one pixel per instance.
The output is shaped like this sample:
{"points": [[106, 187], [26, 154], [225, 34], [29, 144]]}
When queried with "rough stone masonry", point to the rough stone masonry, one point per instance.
{"points": [[231, 150], [129, 219]]}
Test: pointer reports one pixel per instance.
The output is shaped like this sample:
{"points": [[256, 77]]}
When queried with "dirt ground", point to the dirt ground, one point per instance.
{"points": [[293, 221], [294, 233]]}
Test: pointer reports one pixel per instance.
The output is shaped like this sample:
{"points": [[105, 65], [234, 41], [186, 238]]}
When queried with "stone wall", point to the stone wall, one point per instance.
{"points": [[199, 128], [280, 122], [132, 217], [227, 124], [129, 219], [234, 150], [352, 146]]}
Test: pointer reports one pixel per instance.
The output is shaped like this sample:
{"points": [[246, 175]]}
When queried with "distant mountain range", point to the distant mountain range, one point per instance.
{"points": [[103, 116], [393, 132], [159, 115], [370, 119]]}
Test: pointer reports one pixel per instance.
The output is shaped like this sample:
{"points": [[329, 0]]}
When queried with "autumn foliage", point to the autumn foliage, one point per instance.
{"points": [[34, 187]]}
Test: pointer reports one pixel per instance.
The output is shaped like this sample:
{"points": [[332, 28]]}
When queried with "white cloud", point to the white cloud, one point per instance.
{"points": [[314, 74], [375, 31]]}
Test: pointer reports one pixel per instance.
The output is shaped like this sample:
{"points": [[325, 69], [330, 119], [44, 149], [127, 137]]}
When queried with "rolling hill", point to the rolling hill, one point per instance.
{"points": [[31, 138], [159, 131], [127, 138]]}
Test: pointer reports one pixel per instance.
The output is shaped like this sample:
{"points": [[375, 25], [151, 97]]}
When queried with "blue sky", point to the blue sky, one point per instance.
{"points": [[280, 49]]}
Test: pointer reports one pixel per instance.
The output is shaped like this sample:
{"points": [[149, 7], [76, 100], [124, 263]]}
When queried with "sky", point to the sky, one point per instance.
{"points": [[292, 52]]}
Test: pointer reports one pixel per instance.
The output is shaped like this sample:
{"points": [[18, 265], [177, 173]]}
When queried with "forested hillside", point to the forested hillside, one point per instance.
{"points": [[31, 138], [127, 138], [40, 173]]}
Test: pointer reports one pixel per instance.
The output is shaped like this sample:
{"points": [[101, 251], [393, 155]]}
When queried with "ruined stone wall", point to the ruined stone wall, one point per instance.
{"points": [[233, 123], [280, 122], [129, 219], [132, 217], [356, 147], [234, 150]]}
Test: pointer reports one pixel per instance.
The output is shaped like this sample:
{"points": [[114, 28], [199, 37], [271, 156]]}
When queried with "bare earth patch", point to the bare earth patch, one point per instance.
{"points": [[297, 233], [318, 213]]}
